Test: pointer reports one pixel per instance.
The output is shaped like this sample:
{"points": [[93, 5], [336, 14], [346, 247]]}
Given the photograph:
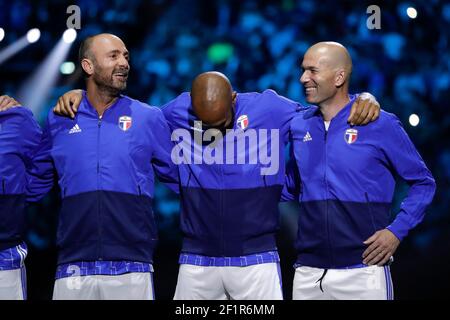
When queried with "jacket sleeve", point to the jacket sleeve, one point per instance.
{"points": [[167, 112], [406, 161], [31, 138], [292, 185], [164, 167], [282, 110], [41, 175]]}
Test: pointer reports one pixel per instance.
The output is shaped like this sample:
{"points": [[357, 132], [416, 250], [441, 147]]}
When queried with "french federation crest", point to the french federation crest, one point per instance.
{"points": [[351, 135], [242, 122], [124, 123]]}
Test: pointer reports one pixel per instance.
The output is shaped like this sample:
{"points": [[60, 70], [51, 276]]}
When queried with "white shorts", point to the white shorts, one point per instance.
{"points": [[367, 283], [13, 284], [255, 282], [128, 286]]}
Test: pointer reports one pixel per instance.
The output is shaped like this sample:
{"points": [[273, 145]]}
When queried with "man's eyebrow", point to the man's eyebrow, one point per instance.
{"points": [[308, 67], [118, 51]]}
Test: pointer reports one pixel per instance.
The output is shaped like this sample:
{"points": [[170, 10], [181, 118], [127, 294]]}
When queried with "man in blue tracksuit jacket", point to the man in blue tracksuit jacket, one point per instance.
{"points": [[105, 159], [229, 200], [344, 179], [229, 210], [19, 138]]}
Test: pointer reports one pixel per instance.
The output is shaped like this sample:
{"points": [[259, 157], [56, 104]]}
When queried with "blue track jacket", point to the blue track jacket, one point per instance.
{"points": [[231, 209], [345, 180], [105, 169], [19, 139]]}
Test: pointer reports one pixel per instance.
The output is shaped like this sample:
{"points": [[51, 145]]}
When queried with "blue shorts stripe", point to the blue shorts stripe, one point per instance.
{"points": [[23, 279], [390, 283], [388, 289], [13, 258], [153, 286], [281, 279]]}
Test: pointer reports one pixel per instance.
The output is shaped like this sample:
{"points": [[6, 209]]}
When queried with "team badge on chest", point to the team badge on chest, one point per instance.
{"points": [[351, 135], [125, 123], [242, 122]]}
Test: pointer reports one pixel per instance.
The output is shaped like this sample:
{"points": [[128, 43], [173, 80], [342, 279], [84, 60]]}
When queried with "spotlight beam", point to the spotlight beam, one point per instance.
{"points": [[37, 88], [13, 48], [32, 36]]}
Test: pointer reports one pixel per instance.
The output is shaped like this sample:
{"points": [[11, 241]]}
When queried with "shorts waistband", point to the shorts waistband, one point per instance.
{"points": [[107, 268], [241, 261]]}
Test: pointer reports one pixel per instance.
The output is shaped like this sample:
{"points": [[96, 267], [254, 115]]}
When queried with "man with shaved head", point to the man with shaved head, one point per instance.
{"points": [[212, 96], [343, 177], [329, 66], [105, 158]]}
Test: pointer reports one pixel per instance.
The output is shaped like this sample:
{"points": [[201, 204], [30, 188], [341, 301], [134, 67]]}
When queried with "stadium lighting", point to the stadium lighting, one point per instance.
{"points": [[69, 35], [33, 35], [67, 67], [411, 12], [37, 88], [18, 45], [414, 120]]}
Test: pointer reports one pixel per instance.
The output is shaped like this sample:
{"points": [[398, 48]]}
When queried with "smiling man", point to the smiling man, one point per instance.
{"points": [[105, 159], [344, 180]]}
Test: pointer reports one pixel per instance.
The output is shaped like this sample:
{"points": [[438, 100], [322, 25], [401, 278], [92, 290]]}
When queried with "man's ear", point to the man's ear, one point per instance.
{"points": [[87, 66], [233, 97], [340, 77]]}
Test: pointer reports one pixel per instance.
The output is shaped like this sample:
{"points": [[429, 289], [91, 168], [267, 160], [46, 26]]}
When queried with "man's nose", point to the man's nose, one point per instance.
{"points": [[124, 63], [304, 78]]}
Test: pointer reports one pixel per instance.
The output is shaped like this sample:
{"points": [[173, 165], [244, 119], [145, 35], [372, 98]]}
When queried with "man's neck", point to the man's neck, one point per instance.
{"points": [[330, 108], [100, 98]]}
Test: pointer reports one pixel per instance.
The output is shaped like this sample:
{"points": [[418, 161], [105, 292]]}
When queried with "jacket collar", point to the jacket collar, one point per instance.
{"points": [[314, 111], [90, 108]]}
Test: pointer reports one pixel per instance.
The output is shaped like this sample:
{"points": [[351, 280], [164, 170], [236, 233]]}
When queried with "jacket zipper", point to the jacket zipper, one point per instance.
{"points": [[326, 195], [221, 202], [99, 214], [140, 201], [369, 207], [189, 180]]}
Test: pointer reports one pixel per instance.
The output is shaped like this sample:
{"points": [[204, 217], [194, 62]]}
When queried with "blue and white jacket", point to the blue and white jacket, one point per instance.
{"points": [[230, 209], [105, 169], [19, 139], [344, 179]]}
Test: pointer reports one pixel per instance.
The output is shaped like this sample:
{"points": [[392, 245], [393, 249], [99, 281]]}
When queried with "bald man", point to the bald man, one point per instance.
{"points": [[213, 99], [229, 206], [105, 159], [343, 176]]}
